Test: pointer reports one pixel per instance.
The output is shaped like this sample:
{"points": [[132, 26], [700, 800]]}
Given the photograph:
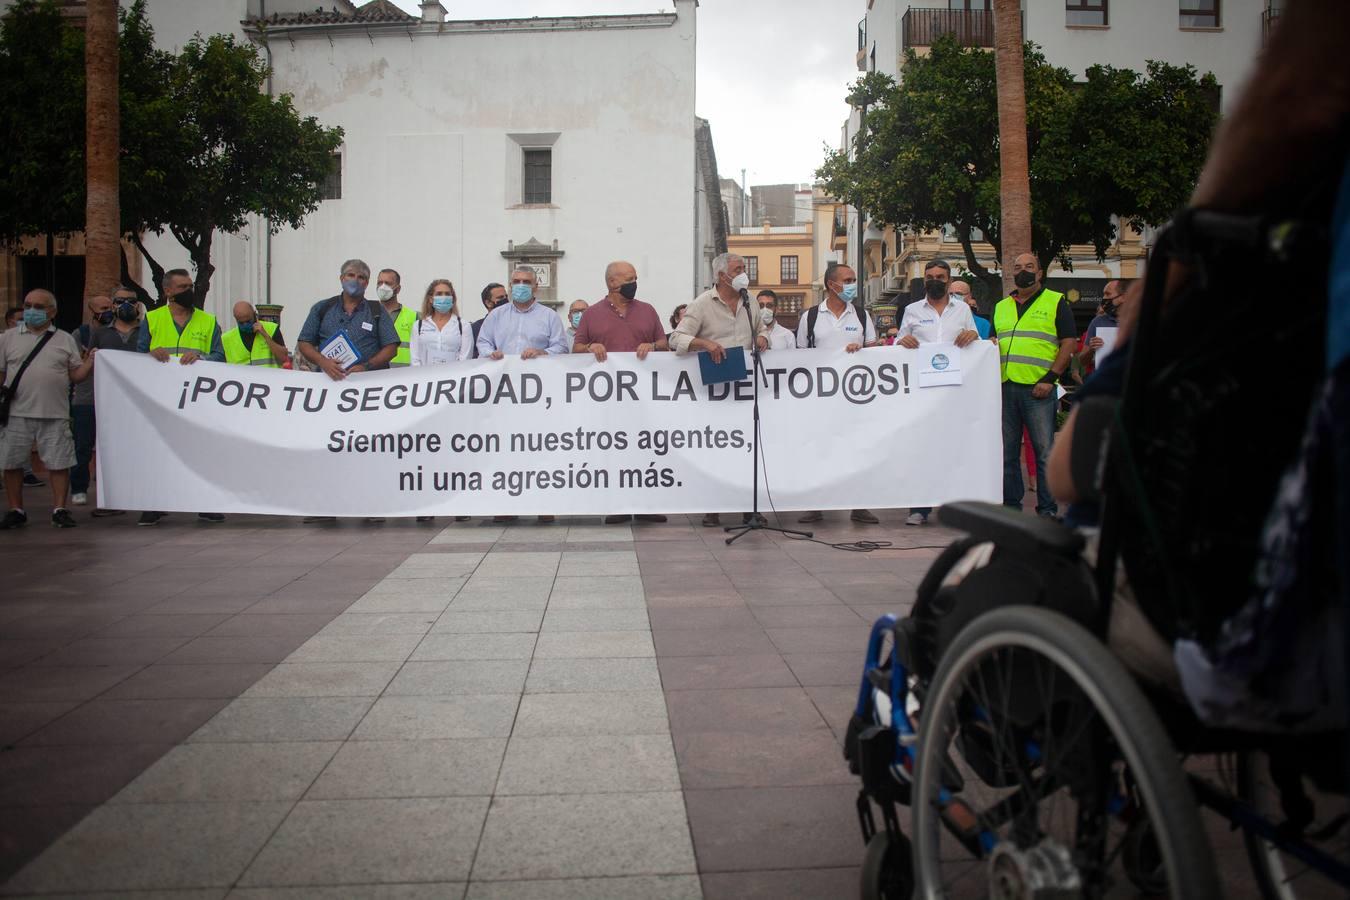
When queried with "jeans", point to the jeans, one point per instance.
{"points": [[82, 424], [1021, 410]]}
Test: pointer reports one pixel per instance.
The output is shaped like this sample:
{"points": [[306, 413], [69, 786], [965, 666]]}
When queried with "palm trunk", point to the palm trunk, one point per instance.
{"points": [[103, 252], [1015, 178]]}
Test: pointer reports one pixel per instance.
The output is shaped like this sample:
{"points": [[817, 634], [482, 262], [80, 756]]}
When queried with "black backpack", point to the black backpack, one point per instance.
{"points": [[814, 313]]}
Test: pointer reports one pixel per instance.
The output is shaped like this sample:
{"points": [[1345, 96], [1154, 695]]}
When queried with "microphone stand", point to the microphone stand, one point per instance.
{"points": [[757, 522]]}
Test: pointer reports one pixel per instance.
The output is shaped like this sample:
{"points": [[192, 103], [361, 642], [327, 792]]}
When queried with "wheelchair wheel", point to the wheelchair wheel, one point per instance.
{"points": [[1041, 768], [887, 871], [1278, 875]]}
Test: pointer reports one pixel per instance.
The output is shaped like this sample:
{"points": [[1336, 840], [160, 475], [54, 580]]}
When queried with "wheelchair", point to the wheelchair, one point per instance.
{"points": [[1008, 751]]}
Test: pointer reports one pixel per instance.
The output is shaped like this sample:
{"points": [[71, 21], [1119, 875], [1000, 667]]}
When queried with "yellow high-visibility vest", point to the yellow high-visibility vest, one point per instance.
{"points": [[1027, 347], [196, 335], [236, 354], [403, 324]]}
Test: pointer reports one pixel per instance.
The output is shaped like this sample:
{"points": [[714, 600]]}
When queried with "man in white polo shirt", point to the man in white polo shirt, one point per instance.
{"points": [[935, 320], [838, 321]]}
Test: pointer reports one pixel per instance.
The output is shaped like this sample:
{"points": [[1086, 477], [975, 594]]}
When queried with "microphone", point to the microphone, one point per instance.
{"points": [[745, 295]]}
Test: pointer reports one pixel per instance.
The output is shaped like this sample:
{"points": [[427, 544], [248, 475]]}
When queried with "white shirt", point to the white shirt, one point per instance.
{"points": [[781, 339], [835, 333], [430, 346], [922, 321]]}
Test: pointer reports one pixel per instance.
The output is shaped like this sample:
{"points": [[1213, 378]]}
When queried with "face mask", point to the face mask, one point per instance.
{"points": [[521, 293], [765, 315], [957, 298], [104, 318], [35, 318], [741, 282], [629, 290], [352, 287], [1109, 308], [934, 288], [184, 299], [245, 327], [128, 312], [384, 291], [1024, 279], [442, 303], [849, 293], [575, 319]]}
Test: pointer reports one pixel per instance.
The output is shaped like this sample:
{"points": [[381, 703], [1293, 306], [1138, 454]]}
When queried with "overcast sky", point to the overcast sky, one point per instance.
{"points": [[772, 74]]}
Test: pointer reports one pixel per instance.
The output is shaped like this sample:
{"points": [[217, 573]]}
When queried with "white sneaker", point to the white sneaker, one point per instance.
{"points": [[916, 519], [79, 499]]}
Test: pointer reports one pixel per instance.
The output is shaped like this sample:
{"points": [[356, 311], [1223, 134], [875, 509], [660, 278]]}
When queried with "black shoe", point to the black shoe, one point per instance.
{"points": [[814, 515], [426, 518], [61, 518], [864, 516], [617, 519], [462, 518], [14, 519], [32, 480], [318, 520], [712, 520], [374, 520], [150, 518], [649, 517], [213, 518]]}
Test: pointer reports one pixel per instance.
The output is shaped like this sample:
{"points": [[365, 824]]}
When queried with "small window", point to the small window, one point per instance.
{"points": [[752, 269], [1199, 13], [538, 175], [1086, 12], [332, 182], [789, 304], [788, 269]]}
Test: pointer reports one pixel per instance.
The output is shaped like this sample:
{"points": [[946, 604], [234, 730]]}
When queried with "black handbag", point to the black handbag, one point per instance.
{"points": [[7, 391]]}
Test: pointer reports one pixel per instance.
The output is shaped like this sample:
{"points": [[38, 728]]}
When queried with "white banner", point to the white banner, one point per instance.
{"points": [[561, 435]]}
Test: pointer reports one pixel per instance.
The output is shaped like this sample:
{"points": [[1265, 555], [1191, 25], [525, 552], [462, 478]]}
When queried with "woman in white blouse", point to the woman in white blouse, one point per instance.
{"points": [[441, 335]]}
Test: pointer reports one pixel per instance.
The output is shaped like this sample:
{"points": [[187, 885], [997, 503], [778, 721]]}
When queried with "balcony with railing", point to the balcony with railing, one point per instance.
{"points": [[971, 27]]}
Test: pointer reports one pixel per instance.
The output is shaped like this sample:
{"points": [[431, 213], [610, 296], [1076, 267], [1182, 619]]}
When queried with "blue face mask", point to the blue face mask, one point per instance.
{"points": [[521, 293], [442, 303], [849, 293], [576, 320], [352, 287], [35, 318], [245, 327]]}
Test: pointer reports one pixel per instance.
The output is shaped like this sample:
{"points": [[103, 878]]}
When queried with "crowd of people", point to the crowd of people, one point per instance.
{"points": [[48, 372]]}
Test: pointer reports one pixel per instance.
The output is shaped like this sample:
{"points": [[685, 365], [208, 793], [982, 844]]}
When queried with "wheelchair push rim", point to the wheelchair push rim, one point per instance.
{"points": [[1041, 770]]}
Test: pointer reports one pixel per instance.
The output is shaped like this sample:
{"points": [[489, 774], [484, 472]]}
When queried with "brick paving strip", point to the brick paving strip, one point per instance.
{"points": [[487, 720]]}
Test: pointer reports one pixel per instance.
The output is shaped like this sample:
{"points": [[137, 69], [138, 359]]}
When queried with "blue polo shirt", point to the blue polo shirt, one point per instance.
{"points": [[327, 317]]}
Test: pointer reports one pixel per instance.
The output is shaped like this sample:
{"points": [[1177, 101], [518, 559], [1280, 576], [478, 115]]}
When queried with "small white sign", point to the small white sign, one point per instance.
{"points": [[340, 350], [940, 364], [1108, 336], [439, 357]]}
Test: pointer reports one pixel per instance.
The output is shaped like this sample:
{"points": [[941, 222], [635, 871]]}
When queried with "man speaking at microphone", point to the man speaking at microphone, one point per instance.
{"points": [[721, 318]]}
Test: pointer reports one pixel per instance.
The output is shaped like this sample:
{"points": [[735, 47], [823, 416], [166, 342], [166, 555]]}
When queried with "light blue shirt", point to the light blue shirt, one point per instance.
{"points": [[511, 330]]}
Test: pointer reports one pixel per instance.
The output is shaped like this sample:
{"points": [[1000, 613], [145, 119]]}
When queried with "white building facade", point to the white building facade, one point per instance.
{"points": [[561, 143]]}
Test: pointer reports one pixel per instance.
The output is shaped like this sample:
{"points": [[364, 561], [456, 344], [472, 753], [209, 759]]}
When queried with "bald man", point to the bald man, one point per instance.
{"points": [[959, 292], [620, 323], [253, 342], [1036, 339]]}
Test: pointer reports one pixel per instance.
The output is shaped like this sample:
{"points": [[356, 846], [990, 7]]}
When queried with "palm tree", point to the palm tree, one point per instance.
{"points": [[1015, 179], [102, 253]]}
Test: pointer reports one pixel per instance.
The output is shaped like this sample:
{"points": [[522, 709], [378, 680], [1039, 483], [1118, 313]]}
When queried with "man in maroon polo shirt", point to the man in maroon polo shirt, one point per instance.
{"points": [[620, 323]]}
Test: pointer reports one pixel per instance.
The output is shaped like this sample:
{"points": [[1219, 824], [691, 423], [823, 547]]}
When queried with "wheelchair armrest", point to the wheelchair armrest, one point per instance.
{"points": [[1011, 530]]}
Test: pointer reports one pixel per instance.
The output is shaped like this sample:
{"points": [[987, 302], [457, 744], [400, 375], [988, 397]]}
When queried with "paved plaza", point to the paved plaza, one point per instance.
{"points": [[402, 710]]}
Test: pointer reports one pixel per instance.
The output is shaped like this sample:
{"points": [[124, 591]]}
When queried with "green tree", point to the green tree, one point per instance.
{"points": [[230, 152], [1120, 143], [203, 148]]}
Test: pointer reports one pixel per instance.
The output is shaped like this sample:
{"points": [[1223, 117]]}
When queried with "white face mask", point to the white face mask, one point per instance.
{"points": [[385, 291], [765, 315], [741, 282], [957, 298]]}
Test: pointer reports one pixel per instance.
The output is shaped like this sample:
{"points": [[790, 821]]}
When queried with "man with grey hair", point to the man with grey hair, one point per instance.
{"points": [[721, 318], [522, 326], [39, 412], [366, 326]]}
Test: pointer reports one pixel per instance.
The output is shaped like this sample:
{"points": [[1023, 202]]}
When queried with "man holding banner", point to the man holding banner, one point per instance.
{"points": [[348, 333], [718, 319]]}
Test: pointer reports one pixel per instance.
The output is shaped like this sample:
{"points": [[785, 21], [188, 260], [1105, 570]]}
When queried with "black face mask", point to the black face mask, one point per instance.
{"points": [[1024, 279], [1109, 308], [105, 317], [629, 290], [128, 312], [185, 299], [934, 288]]}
